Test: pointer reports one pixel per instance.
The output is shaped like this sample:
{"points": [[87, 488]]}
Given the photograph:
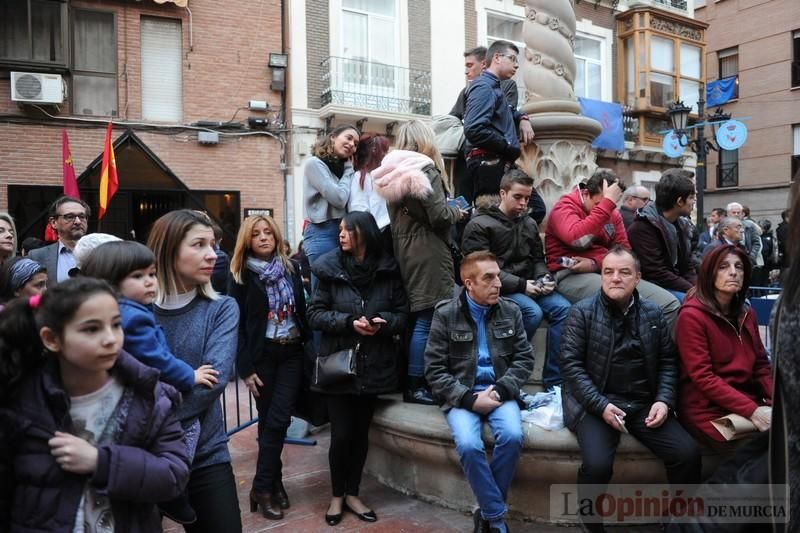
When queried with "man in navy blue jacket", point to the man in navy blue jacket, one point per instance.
{"points": [[491, 122]]}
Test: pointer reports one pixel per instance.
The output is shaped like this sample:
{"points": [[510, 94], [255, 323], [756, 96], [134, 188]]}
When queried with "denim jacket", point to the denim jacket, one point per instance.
{"points": [[490, 121], [451, 356]]}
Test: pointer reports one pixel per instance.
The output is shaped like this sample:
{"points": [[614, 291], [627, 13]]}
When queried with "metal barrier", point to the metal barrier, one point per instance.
{"points": [[233, 409], [762, 300], [239, 412]]}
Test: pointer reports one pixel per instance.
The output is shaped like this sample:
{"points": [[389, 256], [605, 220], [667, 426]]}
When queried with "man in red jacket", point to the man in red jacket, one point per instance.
{"points": [[582, 227]]}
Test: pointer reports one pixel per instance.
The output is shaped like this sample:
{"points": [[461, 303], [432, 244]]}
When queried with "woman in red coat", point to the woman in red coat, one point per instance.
{"points": [[724, 366]]}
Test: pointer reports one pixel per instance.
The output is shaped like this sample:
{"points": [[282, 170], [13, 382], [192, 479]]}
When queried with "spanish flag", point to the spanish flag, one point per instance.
{"points": [[109, 183]]}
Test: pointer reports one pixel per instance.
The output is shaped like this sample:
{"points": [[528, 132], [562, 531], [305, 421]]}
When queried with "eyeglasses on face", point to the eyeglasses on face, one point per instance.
{"points": [[644, 199], [514, 59], [71, 217]]}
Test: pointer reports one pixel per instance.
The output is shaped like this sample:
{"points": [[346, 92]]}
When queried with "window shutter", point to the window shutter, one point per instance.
{"points": [[162, 80]]}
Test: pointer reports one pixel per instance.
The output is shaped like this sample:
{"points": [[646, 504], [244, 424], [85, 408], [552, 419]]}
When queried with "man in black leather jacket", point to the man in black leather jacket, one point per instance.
{"points": [[477, 359], [620, 375]]}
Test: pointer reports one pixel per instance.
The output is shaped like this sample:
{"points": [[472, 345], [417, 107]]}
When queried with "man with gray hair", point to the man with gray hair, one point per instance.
{"points": [[729, 231], [633, 199], [751, 232]]}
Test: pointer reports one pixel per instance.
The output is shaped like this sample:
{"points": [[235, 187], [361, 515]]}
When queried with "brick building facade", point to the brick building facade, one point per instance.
{"points": [[219, 51], [764, 55]]}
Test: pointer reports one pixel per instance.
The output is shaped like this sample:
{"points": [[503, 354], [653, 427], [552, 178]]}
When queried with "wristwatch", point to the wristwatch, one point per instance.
{"points": [[495, 395]]}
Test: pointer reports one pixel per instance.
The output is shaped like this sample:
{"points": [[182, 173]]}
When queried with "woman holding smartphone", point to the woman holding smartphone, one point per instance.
{"points": [[359, 303]]}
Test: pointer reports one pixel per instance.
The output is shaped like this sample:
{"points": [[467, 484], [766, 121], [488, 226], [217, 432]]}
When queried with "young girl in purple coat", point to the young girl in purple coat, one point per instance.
{"points": [[88, 438], [130, 268]]}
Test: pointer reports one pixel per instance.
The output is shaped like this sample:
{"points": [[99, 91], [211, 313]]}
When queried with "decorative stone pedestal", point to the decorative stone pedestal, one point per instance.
{"points": [[412, 451]]}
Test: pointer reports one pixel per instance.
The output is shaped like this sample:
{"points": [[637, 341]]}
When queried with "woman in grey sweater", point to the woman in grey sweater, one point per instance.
{"points": [[326, 189], [201, 328]]}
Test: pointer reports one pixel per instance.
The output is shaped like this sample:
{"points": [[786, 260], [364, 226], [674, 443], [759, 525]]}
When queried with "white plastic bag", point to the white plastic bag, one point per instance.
{"points": [[545, 410]]}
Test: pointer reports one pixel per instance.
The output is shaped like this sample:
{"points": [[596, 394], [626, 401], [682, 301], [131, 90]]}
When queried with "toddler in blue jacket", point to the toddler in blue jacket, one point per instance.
{"points": [[130, 268]]}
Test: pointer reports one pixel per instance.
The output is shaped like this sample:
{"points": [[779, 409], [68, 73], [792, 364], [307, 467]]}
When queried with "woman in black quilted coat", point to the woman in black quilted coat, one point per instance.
{"points": [[359, 301]]}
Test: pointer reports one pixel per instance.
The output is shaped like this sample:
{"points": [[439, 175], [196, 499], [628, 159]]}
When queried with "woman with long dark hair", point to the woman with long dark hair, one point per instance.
{"points": [[201, 329], [372, 148], [359, 303], [269, 290], [326, 189], [724, 366]]}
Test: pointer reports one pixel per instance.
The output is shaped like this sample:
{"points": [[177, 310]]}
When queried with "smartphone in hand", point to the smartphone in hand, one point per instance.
{"points": [[459, 202]]}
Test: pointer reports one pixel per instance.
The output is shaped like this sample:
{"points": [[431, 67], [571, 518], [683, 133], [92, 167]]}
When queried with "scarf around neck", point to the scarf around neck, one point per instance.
{"points": [[360, 274], [335, 165], [280, 296]]}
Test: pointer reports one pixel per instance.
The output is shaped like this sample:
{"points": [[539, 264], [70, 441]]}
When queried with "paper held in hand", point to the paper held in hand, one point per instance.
{"points": [[734, 427]]}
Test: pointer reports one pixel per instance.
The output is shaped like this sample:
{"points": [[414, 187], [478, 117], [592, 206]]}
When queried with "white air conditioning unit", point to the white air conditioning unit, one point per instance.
{"points": [[33, 87]]}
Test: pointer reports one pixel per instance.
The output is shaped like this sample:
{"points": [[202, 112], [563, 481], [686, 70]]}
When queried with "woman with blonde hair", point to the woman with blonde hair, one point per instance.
{"points": [[411, 179], [8, 237], [269, 290], [201, 329], [326, 189]]}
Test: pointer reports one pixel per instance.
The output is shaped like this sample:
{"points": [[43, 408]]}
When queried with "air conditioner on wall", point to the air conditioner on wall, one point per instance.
{"points": [[33, 87]]}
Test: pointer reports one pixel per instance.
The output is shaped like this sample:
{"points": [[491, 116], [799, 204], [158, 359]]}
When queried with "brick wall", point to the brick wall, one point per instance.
{"points": [[470, 25], [317, 42], [225, 68], [419, 34]]}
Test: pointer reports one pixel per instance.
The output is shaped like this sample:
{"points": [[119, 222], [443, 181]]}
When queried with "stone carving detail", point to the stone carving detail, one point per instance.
{"points": [[549, 32], [675, 28], [558, 166]]}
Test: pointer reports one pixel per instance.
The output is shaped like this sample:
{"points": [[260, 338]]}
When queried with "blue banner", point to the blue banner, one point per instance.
{"points": [[720, 91], [609, 115]]}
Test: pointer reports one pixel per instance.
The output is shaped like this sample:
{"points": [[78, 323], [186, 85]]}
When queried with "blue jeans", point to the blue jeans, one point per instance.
{"points": [[319, 239], [419, 340], [556, 308], [489, 483], [678, 294]]}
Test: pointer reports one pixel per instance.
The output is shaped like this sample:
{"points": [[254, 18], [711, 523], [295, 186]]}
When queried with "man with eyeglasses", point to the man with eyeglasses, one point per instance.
{"points": [[69, 219], [633, 199], [493, 127]]}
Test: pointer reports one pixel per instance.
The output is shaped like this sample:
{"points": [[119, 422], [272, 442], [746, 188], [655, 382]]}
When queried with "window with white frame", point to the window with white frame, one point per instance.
{"points": [[369, 45], [162, 75], [588, 67], [507, 28]]}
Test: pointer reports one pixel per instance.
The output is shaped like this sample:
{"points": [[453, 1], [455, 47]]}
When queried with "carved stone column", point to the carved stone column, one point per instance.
{"points": [[561, 154]]}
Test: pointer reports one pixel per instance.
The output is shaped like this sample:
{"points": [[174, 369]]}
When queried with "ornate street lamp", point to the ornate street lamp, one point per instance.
{"points": [[678, 114]]}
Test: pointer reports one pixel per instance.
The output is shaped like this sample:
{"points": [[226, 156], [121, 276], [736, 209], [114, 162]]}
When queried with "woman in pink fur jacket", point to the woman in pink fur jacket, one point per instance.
{"points": [[410, 179]]}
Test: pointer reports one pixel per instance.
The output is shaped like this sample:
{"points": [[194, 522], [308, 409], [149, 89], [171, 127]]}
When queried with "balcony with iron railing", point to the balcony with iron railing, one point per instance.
{"points": [[378, 87]]}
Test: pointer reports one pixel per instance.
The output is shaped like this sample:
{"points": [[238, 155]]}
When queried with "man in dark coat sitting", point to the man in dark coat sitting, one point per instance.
{"points": [[620, 376]]}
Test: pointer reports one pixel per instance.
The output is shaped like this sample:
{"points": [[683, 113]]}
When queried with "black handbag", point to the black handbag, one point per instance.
{"points": [[336, 367]]}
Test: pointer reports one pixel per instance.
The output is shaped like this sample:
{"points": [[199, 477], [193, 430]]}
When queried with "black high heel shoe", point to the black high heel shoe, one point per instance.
{"points": [[279, 495], [368, 516], [269, 508]]}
